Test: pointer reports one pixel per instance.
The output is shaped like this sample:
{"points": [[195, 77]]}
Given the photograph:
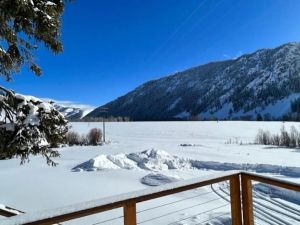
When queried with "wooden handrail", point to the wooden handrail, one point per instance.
{"points": [[247, 199], [92, 207], [272, 181], [240, 185]]}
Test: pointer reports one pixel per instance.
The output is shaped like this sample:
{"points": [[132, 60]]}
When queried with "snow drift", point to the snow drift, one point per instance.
{"points": [[153, 179], [158, 160], [152, 160]]}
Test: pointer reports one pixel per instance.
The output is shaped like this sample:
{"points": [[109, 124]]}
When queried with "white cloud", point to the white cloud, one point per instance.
{"points": [[226, 56], [236, 55]]}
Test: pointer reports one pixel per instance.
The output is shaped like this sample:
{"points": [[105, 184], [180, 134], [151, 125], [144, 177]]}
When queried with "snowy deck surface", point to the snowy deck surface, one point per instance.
{"points": [[31, 217]]}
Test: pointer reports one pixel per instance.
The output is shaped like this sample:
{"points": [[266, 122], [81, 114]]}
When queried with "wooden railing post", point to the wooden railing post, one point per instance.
{"points": [[130, 213], [235, 199], [247, 200]]}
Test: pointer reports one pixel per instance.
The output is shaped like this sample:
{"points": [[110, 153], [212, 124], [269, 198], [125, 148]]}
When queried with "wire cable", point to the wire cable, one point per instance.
{"points": [[108, 220], [212, 218], [155, 207], [200, 214], [170, 213]]}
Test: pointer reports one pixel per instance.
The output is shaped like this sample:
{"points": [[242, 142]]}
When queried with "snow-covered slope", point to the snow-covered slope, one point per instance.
{"points": [[261, 84], [70, 110], [174, 151]]}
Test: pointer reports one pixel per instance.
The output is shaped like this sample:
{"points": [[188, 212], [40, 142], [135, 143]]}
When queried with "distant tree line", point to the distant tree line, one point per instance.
{"points": [[293, 115], [100, 119], [290, 139]]}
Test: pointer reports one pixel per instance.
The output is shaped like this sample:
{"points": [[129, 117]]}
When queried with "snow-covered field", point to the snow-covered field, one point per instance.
{"points": [[144, 154]]}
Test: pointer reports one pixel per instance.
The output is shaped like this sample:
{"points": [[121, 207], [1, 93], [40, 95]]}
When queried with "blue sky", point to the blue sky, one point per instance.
{"points": [[112, 46]]}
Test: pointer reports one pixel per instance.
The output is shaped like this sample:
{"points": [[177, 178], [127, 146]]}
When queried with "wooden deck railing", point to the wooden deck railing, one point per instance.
{"points": [[9, 212], [240, 200]]}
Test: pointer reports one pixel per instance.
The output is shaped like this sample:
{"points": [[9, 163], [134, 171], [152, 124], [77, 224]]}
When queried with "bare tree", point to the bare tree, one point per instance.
{"points": [[95, 136]]}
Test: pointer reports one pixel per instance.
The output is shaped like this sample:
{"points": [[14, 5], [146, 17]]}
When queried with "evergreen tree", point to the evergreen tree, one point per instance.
{"points": [[24, 24], [28, 126]]}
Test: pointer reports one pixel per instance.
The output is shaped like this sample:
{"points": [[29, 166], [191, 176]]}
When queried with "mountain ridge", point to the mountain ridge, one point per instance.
{"points": [[240, 88], [70, 110]]}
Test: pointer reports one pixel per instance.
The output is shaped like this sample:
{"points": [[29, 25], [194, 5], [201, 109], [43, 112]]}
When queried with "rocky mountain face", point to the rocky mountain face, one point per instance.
{"points": [[264, 84]]}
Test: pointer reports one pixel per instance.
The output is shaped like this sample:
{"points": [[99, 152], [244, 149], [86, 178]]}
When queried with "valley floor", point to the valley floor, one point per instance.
{"points": [[141, 154]]}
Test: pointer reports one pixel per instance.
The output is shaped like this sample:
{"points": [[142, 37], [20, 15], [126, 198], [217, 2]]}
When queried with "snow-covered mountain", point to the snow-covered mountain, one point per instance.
{"points": [[70, 110], [264, 84]]}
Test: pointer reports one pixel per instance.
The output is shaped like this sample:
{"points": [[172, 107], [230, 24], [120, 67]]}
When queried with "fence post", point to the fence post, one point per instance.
{"points": [[130, 213], [235, 199], [247, 200]]}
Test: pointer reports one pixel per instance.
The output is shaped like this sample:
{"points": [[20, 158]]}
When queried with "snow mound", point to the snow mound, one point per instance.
{"points": [[157, 160], [157, 179], [122, 161], [153, 160], [100, 162]]}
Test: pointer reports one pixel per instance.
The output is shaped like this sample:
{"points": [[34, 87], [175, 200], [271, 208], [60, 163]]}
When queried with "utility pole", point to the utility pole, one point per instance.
{"points": [[103, 129], [103, 110]]}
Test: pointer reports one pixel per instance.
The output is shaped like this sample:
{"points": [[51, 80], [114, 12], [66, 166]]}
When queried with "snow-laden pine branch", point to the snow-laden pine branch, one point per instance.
{"points": [[29, 126]]}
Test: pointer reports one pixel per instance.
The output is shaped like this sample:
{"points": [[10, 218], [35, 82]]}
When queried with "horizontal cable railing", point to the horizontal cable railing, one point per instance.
{"points": [[174, 202], [271, 205], [109, 220], [202, 213], [197, 203], [262, 208], [228, 196], [184, 209]]}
